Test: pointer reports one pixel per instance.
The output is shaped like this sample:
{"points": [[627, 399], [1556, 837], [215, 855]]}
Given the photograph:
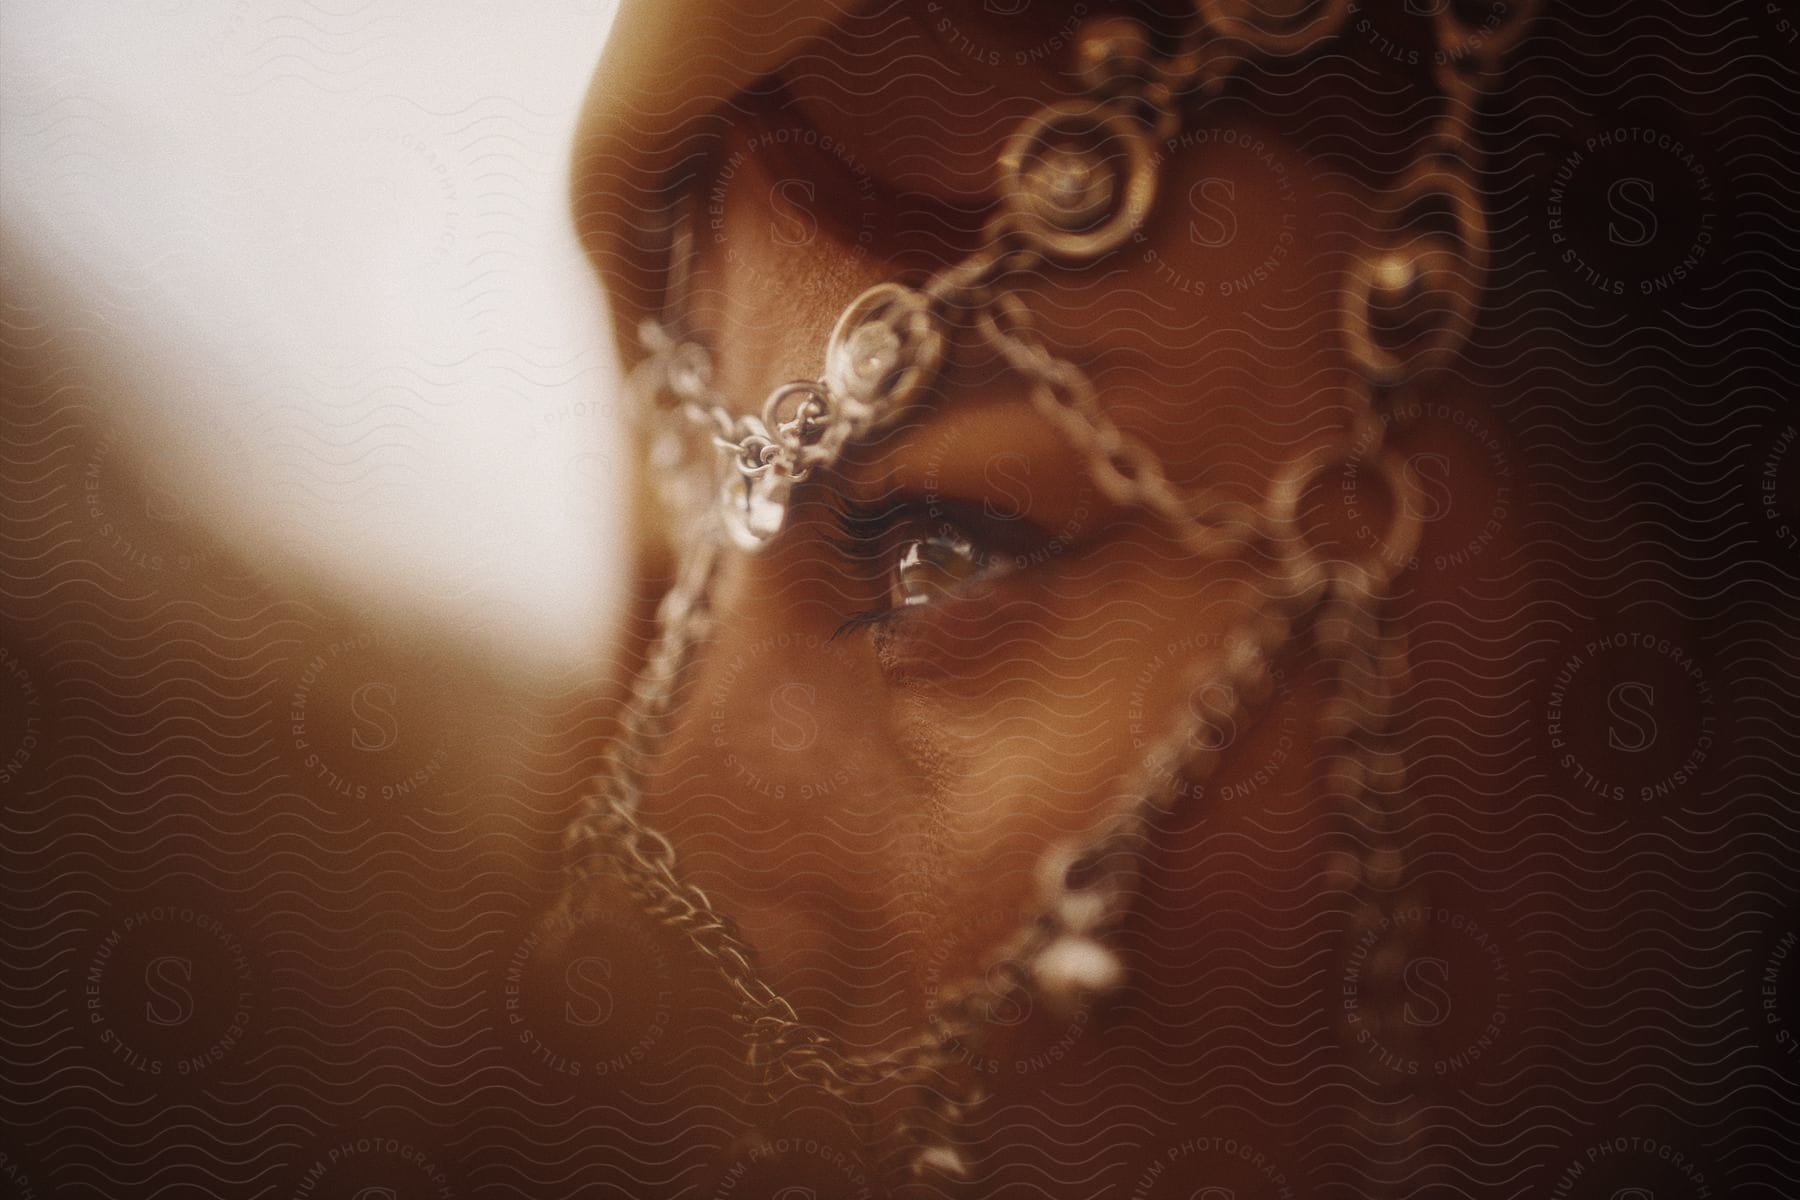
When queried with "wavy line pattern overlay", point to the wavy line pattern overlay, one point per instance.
{"points": [[284, 882]]}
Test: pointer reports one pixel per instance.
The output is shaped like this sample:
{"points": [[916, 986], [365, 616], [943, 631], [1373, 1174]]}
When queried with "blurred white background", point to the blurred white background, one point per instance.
{"points": [[321, 252]]}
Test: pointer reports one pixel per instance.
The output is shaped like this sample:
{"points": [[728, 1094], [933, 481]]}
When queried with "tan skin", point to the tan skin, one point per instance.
{"points": [[871, 802]]}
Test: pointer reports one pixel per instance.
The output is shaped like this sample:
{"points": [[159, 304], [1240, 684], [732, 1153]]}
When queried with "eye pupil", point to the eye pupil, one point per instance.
{"points": [[928, 568]]}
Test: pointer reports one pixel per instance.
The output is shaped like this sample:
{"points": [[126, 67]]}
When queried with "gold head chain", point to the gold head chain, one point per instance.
{"points": [[1076, 181]]}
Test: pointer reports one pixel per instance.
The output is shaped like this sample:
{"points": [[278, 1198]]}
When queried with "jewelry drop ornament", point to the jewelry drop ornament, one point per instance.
{"points": [[754, 507], [1073, 970], [940, 1162]]}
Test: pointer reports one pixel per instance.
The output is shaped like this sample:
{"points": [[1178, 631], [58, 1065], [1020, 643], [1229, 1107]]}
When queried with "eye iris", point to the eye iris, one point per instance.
{"points": [[928, 568]]}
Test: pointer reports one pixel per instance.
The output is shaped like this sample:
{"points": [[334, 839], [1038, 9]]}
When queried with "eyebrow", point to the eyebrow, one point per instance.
{"points": [[995, 454]]}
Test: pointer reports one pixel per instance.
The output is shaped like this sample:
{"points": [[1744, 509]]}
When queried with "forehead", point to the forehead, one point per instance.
{"points": [[924, 91], [1210, 336]]}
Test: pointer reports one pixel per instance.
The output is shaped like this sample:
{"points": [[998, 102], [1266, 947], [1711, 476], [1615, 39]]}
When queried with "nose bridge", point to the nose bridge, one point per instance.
{"points": [[1137, 635]]}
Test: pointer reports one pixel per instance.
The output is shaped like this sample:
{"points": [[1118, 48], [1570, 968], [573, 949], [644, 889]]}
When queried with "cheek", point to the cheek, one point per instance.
{"points": [[1046, 699], [786, 715]]}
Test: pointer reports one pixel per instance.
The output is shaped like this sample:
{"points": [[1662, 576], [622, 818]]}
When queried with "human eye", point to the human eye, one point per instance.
{"points": [[918, 553], [934, 569]]}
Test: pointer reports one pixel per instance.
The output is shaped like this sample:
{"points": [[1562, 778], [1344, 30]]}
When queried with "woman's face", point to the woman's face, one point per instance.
{"points": [[954, 657]]}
